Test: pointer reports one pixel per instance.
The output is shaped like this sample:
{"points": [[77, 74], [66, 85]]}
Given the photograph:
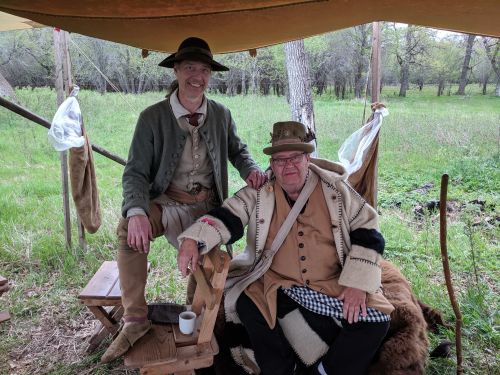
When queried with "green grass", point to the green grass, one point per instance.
{"points": [[423, 137]]}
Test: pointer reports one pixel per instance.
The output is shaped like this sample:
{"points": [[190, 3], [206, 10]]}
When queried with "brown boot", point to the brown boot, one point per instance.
{"points": [[130, 333]]}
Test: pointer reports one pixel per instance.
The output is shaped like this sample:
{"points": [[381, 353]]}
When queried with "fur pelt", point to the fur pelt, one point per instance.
{"points": [[404, 350], [405, 347]]}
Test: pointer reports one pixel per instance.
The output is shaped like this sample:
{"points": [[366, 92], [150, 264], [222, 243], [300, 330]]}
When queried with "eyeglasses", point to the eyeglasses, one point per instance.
{"points": [[281, 162]]}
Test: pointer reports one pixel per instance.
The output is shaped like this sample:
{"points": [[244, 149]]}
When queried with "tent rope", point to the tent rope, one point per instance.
{"points": [[103, 75]]}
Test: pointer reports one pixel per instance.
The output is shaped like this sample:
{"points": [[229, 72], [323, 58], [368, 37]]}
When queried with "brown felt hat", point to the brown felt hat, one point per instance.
{"points": [[290, 136], [194, 49]]}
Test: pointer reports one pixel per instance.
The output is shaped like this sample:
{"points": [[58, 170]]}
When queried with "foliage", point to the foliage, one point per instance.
{"points": [[339, 62]]}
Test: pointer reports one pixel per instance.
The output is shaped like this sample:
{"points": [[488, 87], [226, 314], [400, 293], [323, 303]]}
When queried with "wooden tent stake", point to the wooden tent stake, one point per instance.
{"points": [[447, 273]]}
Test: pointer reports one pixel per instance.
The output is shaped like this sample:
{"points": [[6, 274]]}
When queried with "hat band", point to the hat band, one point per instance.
{"points": [[191, 50], [286, 141]]}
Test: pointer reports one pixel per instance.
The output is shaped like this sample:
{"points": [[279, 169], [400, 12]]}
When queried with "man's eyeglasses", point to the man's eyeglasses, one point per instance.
{"points": [[281, 162]]}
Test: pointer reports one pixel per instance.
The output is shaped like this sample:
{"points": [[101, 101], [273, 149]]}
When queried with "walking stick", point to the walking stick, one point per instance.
{"points": [[447, 273]]}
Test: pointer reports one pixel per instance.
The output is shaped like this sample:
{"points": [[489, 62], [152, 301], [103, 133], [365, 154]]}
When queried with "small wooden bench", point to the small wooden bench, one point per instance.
{"points": [[4, 286], [103, 297]]}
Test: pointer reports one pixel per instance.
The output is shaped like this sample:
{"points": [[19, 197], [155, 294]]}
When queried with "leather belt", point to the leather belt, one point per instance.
{"points": [[195, 195]]}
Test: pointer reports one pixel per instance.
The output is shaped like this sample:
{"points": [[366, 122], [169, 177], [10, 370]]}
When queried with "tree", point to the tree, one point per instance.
{"points": [[412, 50], [299, 85], [444, 63], [361, 47], [466, 65], [492, 47]]}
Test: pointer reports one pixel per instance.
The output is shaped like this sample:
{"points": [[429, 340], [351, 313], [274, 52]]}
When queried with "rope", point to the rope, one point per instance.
{"points": [[104, 76]]}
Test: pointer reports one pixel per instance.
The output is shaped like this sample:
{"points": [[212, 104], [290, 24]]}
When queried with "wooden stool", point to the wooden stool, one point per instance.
{"points": [[164, 349], [4, 286]]}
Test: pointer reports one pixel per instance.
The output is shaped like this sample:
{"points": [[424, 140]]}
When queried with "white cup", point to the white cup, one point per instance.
{"points": [[187, 319]]}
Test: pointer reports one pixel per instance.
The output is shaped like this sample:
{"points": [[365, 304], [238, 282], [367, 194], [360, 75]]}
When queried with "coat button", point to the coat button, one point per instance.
{"points": [[302, 258], [304, 270], [261, 221], [300, 233], [307, 282], [334, 197], [301, 245], [334, 226]]}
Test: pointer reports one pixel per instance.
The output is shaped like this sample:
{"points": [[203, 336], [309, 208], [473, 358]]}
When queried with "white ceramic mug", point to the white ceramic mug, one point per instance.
{"points": [[187, 320]]}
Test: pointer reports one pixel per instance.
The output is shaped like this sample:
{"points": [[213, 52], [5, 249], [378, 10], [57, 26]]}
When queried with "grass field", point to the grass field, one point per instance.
{"points": [[424, 137]]}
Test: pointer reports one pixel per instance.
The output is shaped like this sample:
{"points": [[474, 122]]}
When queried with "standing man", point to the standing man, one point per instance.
{"points": [[176, 171], [313, 253]]}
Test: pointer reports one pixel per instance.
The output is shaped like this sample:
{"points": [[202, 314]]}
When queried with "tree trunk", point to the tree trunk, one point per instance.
{"points": [[299, 84], [254, 73], [465, 66], [360, 58], [405, 60], [485, 83], [405, 76], [440, 87]]}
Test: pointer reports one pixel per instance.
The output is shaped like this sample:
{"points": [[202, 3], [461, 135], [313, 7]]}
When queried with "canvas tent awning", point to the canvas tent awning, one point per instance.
{"points": [[236, 25]]}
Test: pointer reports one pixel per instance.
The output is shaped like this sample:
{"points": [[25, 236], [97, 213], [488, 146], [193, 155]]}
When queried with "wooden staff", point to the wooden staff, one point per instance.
{"points": [[447, 273]]}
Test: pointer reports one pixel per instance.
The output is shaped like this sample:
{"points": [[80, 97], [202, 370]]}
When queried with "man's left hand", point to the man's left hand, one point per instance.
{"points": [[354, 301], [256, 178]]}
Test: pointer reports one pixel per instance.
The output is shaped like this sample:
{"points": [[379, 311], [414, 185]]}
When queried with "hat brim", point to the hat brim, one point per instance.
{"points": [[305, 147], [172, 59]]}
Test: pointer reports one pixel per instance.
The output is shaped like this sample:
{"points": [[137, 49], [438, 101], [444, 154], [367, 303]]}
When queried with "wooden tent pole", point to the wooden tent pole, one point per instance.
{"points": [[375, 62], [59, 47], [447, 273], [16, 108], [68, 86], [375, 93]]}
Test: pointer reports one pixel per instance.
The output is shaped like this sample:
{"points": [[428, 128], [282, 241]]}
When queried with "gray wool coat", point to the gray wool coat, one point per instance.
{"points": [[157, 147]]}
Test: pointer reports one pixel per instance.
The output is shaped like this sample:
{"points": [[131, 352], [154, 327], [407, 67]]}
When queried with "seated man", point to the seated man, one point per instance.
{"points": [[312, 244], [177, 170]]}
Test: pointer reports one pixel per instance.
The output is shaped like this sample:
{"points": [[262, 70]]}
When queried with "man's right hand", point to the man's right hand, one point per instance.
{"points": [[139, 233]]}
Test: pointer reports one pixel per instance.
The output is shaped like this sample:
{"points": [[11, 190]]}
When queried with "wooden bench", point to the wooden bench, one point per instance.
{"points": [[4, 286], [103, 297], [164, 350]]}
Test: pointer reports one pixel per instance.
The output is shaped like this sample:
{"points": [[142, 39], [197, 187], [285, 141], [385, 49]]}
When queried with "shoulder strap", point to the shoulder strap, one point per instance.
{"points": [[304, 195]]}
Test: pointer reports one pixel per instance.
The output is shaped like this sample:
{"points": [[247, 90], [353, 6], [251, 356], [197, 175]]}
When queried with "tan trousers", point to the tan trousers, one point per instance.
{"points": [[132, 265]]}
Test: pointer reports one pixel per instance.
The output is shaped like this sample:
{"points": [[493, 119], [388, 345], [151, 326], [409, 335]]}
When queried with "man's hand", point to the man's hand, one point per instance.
{"points": [[139, 233], [187, 258], [256, 178], [354, 300]]}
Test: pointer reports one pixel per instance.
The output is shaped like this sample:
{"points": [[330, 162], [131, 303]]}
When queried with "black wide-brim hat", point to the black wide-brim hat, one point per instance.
{"points": [[194, 49]]}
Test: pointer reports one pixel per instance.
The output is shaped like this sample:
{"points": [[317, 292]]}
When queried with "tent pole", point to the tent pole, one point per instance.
{"points": [[59, 47], [375, 95], [68, 86]]}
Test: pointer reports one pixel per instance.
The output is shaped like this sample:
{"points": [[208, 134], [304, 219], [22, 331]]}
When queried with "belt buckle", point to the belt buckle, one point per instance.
{"points": [[196, 189]]}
